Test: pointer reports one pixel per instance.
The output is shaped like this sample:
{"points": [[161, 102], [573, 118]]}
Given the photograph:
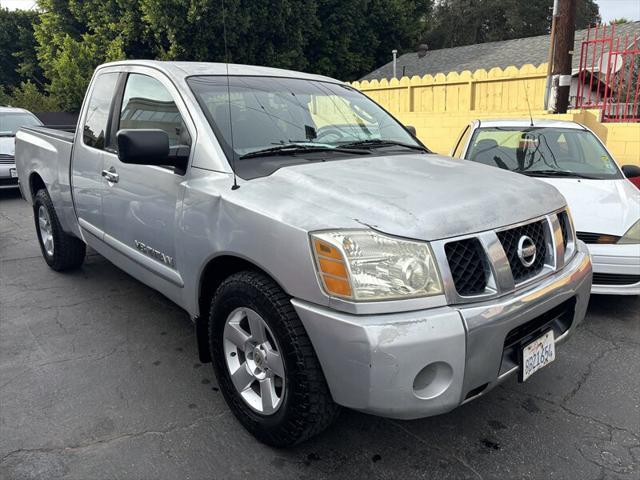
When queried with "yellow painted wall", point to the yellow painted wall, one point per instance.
{"points": [[441, 106]]}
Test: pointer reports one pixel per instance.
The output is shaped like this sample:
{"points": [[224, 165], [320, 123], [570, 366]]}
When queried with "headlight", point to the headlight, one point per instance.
{"points": [[364, 265], [632, 235]]}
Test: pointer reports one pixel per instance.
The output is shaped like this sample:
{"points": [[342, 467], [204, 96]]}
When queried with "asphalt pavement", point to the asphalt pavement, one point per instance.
{"points": [[100, 379]]}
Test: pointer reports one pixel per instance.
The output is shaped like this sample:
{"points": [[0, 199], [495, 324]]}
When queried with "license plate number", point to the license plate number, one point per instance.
{"points": [[13, 173], [538, 354]]}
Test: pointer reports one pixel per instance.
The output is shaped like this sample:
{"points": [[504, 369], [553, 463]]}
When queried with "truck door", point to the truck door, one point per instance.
{"points": [[141, 202], [88, 155]]}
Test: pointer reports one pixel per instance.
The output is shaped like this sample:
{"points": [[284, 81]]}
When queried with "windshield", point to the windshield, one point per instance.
{"points": [[268, 112], [11, 122], [543, 152]]}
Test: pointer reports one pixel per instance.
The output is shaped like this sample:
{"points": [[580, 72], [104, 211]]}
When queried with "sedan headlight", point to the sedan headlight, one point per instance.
{"points": [[632, 235], [365, 265]]}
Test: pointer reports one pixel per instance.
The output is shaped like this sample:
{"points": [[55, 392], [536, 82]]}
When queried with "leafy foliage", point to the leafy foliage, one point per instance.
{"points": [[18, 47], [27, 95], [58, 47], [465, 22]]}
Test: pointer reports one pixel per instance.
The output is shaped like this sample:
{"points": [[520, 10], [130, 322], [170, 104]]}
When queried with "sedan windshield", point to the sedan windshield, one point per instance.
{"points": [[11, 122], [295, 121], [543, 152]]}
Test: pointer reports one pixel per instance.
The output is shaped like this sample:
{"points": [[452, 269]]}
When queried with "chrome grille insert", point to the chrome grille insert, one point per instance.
{"points": [[486, 264], [467, 262], [511, 239]]}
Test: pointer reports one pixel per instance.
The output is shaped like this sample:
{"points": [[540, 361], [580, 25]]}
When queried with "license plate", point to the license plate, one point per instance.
{"points": [[13, 173], [538, 354]]}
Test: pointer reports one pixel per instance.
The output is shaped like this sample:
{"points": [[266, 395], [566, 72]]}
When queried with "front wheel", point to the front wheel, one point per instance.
{"points": [[60, 250], [265, 364]]}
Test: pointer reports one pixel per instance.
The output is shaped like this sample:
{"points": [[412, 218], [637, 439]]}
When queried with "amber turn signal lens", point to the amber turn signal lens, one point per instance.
{"points": [[335, 276], [326, 250], [332, 267], [337, 286]]}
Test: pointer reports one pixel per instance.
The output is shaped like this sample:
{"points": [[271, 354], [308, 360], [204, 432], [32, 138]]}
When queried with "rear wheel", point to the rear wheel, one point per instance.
{"points": [[265, 364], [60, 250]]}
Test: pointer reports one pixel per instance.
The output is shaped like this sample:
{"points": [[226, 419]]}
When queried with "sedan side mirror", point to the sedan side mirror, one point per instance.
{"points": [[411, 129], [631, 171]]}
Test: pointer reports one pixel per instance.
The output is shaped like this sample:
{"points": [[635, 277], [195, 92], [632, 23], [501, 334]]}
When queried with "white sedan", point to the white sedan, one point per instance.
{"points": [[605, 205]]}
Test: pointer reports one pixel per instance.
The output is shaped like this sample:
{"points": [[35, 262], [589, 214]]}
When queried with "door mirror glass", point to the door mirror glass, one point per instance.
{"points": [[631, 171], [144, 147], [411, 129]]}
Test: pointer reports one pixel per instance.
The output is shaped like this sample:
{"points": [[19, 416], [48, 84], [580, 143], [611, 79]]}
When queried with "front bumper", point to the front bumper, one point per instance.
{"points": [[6, 181], [612, 264], [422, 363]]}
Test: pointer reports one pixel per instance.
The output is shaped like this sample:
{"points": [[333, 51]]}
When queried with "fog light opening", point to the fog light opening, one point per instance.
{"points": [[432, 380]]}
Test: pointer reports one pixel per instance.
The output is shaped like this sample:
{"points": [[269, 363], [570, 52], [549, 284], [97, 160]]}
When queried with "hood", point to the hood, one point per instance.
{"points": [[7, 146], [600, 206], [417, 196]]}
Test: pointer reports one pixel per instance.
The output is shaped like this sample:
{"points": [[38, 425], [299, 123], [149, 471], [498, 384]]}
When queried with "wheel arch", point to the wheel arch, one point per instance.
{"points": [[36, 183], [213, 274]]}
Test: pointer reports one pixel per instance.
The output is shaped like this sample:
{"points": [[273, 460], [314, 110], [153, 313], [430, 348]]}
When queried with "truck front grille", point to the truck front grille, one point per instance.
{"points": [[510, 238], [487, 264], [467, 263], [7, 160]]}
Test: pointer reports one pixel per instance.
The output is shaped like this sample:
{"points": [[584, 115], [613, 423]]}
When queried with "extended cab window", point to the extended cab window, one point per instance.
{"points": [[148, 104], [97, 118]]}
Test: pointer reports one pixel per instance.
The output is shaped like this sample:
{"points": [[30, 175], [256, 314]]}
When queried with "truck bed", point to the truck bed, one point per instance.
{"points": [[44, 154]]}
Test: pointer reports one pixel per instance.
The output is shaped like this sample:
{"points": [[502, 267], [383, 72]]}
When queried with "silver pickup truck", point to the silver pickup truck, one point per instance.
{"points": [[326, 256]]}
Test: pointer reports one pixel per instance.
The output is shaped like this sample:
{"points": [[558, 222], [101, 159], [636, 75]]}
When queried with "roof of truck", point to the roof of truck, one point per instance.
{"points": [[187, 69], [525, 122]]}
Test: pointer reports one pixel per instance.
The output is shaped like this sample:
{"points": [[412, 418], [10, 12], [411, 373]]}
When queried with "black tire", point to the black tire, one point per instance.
{"points": [[307, 407], [68, 251]]}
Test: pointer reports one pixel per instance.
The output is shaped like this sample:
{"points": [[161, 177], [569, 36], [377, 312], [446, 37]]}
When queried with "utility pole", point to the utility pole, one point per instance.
{"points": [[563, 53], [395, 58], [552, 46]]}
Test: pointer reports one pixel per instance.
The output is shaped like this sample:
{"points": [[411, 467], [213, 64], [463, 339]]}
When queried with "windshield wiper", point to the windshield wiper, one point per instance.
{"points": [[293, 148], [556, 173], [379, 143]]}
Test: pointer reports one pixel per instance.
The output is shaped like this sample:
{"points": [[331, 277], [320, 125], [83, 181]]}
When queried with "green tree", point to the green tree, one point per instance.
{"points": [[353, 37], [619, 21], [5, 99], [17, 47], [75, 36], [263, 33], [27, 95], [465, 22]]}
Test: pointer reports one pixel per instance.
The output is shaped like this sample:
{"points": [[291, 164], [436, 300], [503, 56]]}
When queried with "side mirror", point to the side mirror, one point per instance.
{"points": [[411, 129], [144, 147], [631, 171]]}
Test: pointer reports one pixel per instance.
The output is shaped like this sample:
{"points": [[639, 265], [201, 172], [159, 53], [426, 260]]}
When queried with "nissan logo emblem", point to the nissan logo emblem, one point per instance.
{"points": [[526, 251]]}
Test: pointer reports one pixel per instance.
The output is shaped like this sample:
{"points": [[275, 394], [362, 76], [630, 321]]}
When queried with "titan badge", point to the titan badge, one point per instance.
{"points": [[153, 253]]}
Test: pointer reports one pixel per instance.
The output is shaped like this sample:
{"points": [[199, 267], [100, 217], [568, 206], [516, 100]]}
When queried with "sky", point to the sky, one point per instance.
{"points": [[609, 9], [13, 4]]}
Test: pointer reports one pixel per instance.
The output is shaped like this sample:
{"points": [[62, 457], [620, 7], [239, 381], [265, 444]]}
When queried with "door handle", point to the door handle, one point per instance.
{"points": [[111, 175]]}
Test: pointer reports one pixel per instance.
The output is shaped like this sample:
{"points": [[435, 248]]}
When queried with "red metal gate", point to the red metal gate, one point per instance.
{"points": [[608, 74]]}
